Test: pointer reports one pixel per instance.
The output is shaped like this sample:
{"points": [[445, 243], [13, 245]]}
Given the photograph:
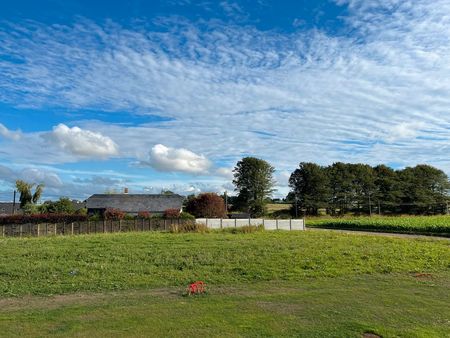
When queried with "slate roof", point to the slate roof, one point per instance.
{"points": [[6, 208], [133, 203]]}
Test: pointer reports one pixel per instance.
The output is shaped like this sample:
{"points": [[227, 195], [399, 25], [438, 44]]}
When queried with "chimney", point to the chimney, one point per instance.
{"points": [[125, 190]]}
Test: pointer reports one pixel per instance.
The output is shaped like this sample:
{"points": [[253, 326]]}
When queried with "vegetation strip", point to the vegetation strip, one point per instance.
{"points": [[431, 225], [58, 265]]}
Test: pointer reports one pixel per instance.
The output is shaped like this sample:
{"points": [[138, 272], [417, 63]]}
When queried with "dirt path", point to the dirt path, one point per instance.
{"points": [[377, 233]]}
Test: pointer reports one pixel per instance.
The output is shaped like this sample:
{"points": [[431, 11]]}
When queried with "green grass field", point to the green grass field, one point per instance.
{"points": [[312, 284], [437, 225]]}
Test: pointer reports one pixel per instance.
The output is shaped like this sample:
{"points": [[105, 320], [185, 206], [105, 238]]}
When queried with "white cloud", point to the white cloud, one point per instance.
{"points": [[81, 142], [164, 158], [35, 175], [225, 172], [5, 132], [232, 91], [404, 131]]}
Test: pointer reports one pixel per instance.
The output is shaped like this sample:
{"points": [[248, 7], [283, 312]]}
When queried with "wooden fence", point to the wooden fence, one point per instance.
{"points": [[88, 227]]}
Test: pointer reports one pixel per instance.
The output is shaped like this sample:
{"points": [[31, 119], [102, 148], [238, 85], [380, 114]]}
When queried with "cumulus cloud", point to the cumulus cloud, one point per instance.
{"points": [[164, 158], [81, 142], [6, 133]]}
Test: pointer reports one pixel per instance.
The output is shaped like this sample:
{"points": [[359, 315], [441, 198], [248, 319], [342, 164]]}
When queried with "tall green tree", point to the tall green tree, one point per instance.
{"points": [[363, 187], [388, 190], [253, 179], [341, 186], [26, 194], [424, 189], [310, 188]]}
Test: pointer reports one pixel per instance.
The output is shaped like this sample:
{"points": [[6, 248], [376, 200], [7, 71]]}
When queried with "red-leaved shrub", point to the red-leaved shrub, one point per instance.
{"points": [[172, 213], [41, 218], [113, 214], [144, 215], [207, 205]]}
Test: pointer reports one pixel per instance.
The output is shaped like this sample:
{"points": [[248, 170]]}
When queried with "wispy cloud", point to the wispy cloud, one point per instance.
{"points": [[308, 95]]}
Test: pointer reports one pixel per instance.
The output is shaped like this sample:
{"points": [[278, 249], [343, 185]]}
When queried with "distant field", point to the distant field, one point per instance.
{"points": [[271, 207], [311, 284], [439, 225]]}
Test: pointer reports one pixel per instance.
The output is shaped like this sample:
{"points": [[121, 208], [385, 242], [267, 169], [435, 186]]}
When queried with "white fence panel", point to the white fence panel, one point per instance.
{"points": [[269, 224]]}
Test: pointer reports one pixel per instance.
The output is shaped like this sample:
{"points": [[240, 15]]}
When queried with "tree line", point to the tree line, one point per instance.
{"points": [[362, 189], [337, 189]]}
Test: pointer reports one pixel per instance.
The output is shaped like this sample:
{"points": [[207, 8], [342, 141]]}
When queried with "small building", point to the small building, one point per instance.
{"points": [[132, 204]]}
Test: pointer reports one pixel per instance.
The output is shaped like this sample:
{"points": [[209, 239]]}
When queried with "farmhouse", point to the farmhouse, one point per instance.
{"points": [[134, 203]]}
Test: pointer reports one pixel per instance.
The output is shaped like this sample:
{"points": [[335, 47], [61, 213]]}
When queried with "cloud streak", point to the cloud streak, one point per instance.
{"points": [[375, 94]]}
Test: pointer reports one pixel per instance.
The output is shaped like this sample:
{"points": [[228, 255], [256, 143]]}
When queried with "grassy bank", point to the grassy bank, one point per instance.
{"points": [[437, 225]]}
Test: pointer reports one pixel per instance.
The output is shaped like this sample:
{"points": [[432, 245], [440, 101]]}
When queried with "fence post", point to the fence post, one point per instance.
{"points": [[20, 230], [71, 228], [56, 225], [263, 223], [235, 225], [38, 230], [207, 222], [165, 224], [290, 224], [249, 222], [3, 231], [104, 225], [276, 223], [304, 223], [221, 227]]}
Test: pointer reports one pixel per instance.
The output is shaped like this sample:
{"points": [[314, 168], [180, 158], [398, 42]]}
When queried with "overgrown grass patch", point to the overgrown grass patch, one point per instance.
{"points": [[438, 225], [58, 265]]}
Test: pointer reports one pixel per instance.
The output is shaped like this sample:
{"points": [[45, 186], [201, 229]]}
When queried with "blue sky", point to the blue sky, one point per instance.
{"points": [[100, 95]]}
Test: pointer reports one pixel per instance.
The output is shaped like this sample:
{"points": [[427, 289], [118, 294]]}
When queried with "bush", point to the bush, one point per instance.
{"points": [[41, 218], [144, 215], [186, 215], [172, 213], [113, 214], [207, 205], [188, 227]]}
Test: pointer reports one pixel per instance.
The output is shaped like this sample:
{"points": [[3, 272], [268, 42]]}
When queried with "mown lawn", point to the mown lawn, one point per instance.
{"points": [[260, 284], [437, 225]]}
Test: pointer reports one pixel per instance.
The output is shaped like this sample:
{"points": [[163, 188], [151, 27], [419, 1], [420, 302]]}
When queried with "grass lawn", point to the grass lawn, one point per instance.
{"points": [[437, 225], [261, 284]]}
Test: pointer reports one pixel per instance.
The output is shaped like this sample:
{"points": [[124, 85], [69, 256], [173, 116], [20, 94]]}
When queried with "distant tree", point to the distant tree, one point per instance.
{"points": [[424, 189], [207, 205], [388, 189], [341, 187], [26, 194], [363, 187], [167, 192], [310, 186], [253, 179]]}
